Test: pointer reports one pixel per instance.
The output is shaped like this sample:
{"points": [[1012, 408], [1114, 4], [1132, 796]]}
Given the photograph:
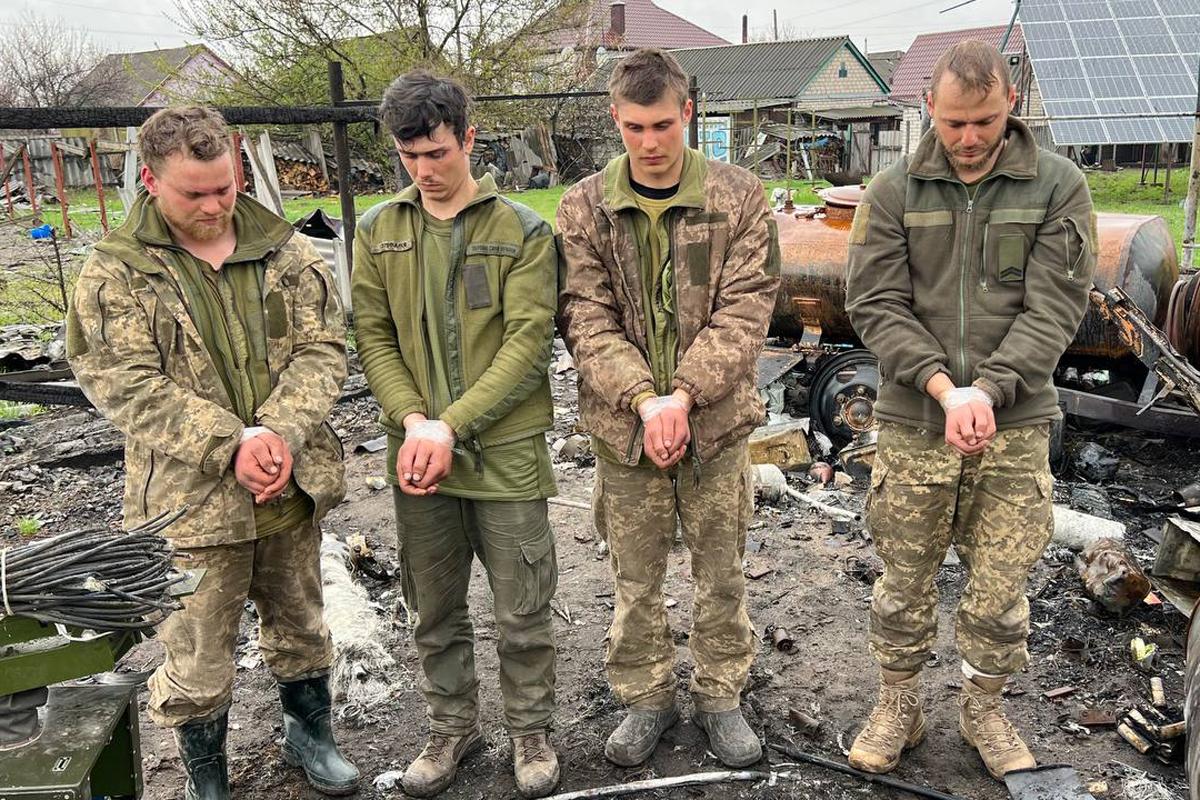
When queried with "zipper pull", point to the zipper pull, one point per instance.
{"points": [[970, 205]]}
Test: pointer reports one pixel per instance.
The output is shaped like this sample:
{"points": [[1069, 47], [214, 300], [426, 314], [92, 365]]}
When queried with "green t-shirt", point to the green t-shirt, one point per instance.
{"points": [[519, 470], [227, 308]]}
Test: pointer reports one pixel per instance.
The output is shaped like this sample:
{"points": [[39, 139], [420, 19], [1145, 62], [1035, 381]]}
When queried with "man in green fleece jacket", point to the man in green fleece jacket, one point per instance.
{"points": [[454, 296], [212, 337], [970, 266]]}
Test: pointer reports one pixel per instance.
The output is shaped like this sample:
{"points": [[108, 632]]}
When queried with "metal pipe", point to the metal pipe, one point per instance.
{"points": [[1193, 190], [694, 123], [30, 186], [846, 769], [99, 185], [60, 188]]}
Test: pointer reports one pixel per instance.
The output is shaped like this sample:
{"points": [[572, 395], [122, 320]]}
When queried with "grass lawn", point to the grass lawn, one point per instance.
{"points": [[1122, 193]]}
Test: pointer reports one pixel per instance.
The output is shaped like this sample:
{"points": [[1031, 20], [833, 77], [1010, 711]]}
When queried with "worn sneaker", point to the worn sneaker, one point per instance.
{"points": [[984, 726], [535, 765], [731, 739], [896, 724], [636, 737], [434, 769]]}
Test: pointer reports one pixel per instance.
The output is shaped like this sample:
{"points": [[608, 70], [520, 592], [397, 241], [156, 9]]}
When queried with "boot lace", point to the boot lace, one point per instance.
{"points": [[533, 749], [888, 720], [992, 728], [436, 747]]}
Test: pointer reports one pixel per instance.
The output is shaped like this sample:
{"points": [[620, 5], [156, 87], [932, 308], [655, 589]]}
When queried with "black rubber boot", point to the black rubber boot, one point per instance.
{"points": [[202, 750], [308, 736]]}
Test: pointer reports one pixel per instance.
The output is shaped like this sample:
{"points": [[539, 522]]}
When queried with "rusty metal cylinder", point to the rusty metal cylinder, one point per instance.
{"points": [[1136, 253]]}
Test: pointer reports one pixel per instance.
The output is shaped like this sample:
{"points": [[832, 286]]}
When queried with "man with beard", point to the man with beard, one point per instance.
{"points": [[970, 266], [213, 338]]}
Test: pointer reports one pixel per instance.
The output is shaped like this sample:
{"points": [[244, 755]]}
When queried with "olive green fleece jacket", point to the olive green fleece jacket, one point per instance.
{"points": [[500, 301], [989, 290]]}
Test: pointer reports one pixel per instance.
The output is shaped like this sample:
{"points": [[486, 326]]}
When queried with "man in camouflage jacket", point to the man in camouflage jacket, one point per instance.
{"points": [[970, 267], [671, 265], [213, 338]]}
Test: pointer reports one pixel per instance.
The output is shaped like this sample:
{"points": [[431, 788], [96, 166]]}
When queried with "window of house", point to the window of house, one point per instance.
{"points": [[842, 70]]}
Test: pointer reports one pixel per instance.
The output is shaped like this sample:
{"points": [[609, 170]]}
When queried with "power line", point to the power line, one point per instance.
{"points": [[160, 15]]}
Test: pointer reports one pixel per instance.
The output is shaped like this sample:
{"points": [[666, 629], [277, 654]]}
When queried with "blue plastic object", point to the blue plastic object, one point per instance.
{"points": [[43, 232]]}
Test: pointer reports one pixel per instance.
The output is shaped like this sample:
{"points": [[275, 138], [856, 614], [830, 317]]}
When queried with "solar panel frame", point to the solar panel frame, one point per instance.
{"points": [[1118, 59]]}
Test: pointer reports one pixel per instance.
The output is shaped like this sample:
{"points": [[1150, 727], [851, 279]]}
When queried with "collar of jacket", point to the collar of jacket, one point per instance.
{"points": [[260, 234], [619, 194], [1019, 159], [411, 196]]}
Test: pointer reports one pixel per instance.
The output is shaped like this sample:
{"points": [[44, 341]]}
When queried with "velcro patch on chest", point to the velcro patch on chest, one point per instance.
{"points": [[392, 246]]}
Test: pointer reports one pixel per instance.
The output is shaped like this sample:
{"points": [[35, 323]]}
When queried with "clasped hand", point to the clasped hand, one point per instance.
{"points": [[263, 464], [666, 432], [426, 456]]}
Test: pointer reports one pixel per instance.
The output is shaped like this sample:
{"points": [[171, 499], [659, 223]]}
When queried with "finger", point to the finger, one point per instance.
{"points": [[668, 432], [408, 488], [654, 436], [420, 463], [261, 455], [277, 447], [405, 463]]}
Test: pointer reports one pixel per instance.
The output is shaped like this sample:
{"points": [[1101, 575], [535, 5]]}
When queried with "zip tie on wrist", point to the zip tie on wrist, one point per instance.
{"points": [[651, 407], [964, 395]]}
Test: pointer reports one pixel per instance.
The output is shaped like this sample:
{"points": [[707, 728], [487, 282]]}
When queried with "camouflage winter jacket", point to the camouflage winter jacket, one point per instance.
{"points": [[725, 254], [141, 361]]}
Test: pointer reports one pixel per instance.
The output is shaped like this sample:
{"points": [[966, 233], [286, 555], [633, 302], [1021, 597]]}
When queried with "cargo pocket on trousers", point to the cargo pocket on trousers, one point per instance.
{"points": [[878, 474], [537, 575]]}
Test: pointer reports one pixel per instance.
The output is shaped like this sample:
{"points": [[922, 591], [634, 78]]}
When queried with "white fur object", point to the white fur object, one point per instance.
{"points": [[1076, 530], [362, 677]]}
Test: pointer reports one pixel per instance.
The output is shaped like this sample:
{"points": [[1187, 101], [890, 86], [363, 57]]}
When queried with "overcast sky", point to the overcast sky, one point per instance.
{"points": [[123, 26]]}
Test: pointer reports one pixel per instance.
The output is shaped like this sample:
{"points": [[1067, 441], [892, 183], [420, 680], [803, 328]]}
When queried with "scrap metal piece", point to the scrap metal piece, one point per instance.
{"points": [[1049, 782], [1149, 344], [1187, 496]]}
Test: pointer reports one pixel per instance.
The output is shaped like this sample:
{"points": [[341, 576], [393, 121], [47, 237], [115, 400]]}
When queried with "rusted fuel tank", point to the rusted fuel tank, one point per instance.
{"points": [[1136, 254]]}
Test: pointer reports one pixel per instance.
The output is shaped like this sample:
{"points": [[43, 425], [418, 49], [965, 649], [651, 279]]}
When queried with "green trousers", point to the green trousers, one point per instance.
{"points": [[439, 538], [997, 510], [281, 573], [637, 511]]}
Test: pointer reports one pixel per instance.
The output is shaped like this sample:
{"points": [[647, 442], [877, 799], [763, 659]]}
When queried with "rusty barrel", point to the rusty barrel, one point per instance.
{"points": [[1136, 253]]}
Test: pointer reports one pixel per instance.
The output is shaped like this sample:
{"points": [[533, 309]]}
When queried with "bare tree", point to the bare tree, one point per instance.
{"points": [[43, 63]]}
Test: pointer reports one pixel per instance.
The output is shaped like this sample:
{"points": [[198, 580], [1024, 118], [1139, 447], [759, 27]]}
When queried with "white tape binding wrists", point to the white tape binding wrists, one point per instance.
{"points": [[257, 430], [651, 407], [432, 430], [963, 395]]}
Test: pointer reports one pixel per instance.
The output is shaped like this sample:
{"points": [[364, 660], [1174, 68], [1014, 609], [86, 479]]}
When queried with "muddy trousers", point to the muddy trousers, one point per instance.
{"points": [[439, 538], [281, 573], [996, 508], [636, 511]]}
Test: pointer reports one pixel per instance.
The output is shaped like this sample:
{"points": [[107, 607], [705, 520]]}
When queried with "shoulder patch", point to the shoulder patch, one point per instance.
{"points": [[365, 221], [862, 218]]}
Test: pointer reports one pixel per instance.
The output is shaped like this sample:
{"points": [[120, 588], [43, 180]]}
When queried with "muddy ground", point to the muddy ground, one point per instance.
{"points": [[818, 588]]}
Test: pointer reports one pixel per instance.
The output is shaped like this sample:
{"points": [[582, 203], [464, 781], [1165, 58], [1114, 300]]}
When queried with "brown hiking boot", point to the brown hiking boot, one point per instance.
{"points": [[535, 764], [896, 724], [985, 727], [434, 769]]}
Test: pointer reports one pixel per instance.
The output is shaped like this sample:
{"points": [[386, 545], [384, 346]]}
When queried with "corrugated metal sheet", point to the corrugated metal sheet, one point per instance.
{"points": [[761, 69], [78, 171], [911, 76]]}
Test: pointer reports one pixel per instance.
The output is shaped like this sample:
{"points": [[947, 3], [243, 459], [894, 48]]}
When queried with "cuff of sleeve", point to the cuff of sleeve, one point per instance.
{"points": [[292, 435], [626, 399], [223, 442], [926, 374], [454, 419], [992, 391], [698, 398], [639, 397]]}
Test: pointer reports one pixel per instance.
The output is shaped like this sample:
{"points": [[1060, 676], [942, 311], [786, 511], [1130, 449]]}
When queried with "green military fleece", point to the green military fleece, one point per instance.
{"points": [[500, 297], [138, 355], [987, 289]]}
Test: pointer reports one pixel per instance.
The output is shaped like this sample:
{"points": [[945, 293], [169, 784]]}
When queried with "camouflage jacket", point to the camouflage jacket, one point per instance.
{"points": [[988, 289], [141, 361], [725, 253]]}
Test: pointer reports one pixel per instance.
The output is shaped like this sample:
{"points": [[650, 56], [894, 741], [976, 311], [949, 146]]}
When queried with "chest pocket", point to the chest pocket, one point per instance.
{"points": [[702, 237], [1009, 236], [485, 264]]}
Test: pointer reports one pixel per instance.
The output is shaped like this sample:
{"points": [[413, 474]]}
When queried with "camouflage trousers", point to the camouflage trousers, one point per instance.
{"points": [[281, 573], [996, 508], [636, 511], [439, 538]]}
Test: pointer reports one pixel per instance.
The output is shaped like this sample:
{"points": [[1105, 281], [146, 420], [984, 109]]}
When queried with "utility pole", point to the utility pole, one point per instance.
{"points": [[1190, 261], [775, 17]]}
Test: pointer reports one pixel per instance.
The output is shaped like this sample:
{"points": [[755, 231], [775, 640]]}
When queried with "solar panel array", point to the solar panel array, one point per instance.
{"points": [[1115, 58]]}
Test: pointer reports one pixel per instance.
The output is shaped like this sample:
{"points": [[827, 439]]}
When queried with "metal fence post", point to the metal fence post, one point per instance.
{"points": [[60, 188], [341, 152], [99, 185]]}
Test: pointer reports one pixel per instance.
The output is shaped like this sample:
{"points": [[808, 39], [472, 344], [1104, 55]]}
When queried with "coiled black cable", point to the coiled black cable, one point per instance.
{"points": [[93, 578], [1183, 317]]}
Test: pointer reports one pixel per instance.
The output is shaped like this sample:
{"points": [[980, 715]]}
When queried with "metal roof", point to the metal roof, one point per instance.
{"points": [[910, 79], [1115, 60], [762, 69], [127, 79], [858, 113], [646, 25]]}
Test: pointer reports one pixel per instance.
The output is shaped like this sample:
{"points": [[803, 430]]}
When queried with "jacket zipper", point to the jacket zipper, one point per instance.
{"points": [[637, 429], [983, 264], [962, 287]]}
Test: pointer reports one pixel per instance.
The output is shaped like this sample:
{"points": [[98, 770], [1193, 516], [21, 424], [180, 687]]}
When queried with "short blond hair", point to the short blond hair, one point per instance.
{"points": [[977, 65], [196, 132], [646, 76]]}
